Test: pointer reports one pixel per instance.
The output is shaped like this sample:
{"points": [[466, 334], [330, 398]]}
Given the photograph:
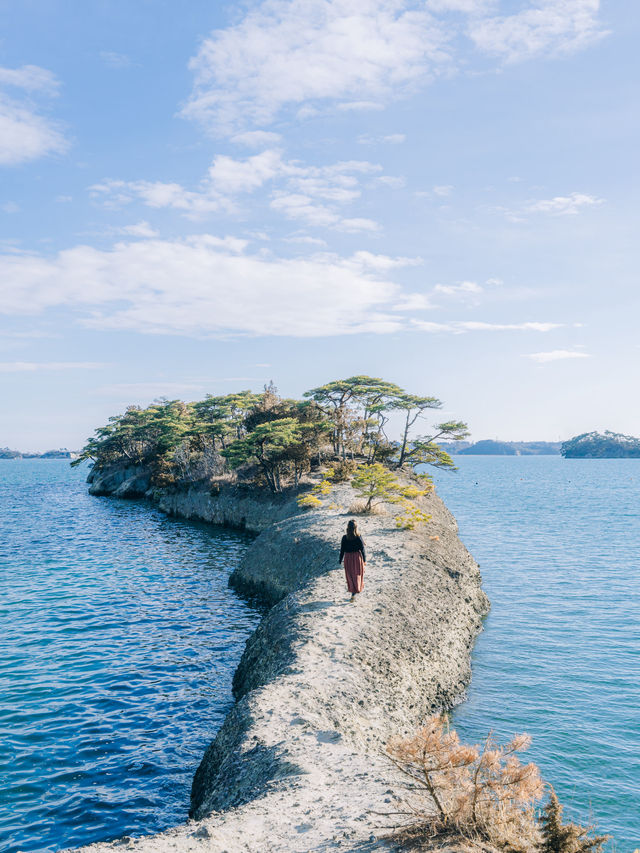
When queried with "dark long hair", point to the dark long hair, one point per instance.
{"points": [[352, 530]]}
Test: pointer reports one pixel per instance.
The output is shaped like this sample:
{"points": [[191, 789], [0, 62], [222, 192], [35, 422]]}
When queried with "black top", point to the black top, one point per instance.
{"points": [[350, 546]]}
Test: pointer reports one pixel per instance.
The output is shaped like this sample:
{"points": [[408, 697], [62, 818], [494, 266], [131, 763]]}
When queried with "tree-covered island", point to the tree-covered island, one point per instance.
{"points": [[596, 445], [340, 432], [271, 442]]}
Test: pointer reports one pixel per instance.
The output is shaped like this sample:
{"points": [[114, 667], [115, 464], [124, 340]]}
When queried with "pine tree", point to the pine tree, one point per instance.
{"points": [[559, 837], [478, 792]]}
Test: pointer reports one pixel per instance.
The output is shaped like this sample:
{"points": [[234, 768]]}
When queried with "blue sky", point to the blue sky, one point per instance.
{"points": [[197, 198]]}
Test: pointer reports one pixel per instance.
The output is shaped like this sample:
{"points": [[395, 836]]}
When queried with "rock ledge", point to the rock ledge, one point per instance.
{"points": [[323, 681]]}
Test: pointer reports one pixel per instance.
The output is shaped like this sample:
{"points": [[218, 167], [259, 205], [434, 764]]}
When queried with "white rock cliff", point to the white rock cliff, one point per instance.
{"points": [[297, 765]]}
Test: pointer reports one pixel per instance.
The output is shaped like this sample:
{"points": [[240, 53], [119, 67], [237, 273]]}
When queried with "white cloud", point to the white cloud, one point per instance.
{"points": [[413, 302], [302, 207], [473, 326], [569, 205], [156, 194], [304, 55], [337, 182], [289, 53], [556, 355], [311, 193], [10, 207], [470, 7], [550, 27], [257, 138], [25, 134], [382, 263], [443, 191], [305, 209], [35, 366], [392, 181], [466, 290], [306, 240], [389, 139], [458, 326], [229, 176], [358, 106], [205, 285], [563, 205], [115, 60], [140, 229], [31, 78], [358, 224]]}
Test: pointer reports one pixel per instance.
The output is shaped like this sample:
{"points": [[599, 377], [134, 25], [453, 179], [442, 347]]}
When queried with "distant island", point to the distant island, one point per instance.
{"points": [[62, 453], [490, 447], [597, 445]]}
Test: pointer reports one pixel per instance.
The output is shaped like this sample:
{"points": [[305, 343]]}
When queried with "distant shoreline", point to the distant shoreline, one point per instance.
{"points": [[63, 453]]}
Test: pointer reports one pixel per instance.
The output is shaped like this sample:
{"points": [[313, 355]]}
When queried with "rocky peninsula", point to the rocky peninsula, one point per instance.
{"points": [[323, 682]]}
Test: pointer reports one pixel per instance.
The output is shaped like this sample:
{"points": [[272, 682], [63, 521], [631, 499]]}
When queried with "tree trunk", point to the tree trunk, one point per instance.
{"points": [[403, 449]]}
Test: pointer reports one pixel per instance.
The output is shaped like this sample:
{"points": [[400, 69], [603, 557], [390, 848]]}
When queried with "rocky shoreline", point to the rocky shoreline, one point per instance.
{"points": [[323, 682]]}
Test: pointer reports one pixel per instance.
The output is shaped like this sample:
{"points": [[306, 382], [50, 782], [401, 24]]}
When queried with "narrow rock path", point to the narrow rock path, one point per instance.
{"points": [[324, 682]]}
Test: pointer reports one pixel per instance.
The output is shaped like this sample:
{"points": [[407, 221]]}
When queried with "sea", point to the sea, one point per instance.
{"points": [[558, 542], [118, 645], [120, 636]]}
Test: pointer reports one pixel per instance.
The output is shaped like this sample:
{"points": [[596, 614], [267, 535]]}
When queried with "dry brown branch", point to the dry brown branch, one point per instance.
{"points": [[482, 794]]}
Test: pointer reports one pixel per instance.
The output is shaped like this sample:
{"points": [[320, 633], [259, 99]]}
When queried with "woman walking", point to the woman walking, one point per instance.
{"points": [[352, 549]]}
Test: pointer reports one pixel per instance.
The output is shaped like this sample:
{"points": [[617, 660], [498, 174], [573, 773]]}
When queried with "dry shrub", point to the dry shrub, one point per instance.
{"points": [[360, 508], [479, 793], [559, 837], [343, 470]]}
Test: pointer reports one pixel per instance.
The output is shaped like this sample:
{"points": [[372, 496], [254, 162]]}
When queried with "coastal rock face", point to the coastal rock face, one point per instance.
{"points": [[324, 682], [131, 481], [229, 507]]}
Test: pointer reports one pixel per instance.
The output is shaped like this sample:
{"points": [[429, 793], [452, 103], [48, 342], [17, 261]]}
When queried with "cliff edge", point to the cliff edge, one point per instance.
{"points": [[324, 681]]}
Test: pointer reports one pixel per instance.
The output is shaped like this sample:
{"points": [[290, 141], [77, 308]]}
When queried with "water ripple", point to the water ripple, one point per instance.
{"points": [[559, 546], [120, 637]]}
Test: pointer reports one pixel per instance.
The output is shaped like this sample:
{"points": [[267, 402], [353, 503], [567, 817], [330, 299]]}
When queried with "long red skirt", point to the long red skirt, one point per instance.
{"points": [[354, 570]]}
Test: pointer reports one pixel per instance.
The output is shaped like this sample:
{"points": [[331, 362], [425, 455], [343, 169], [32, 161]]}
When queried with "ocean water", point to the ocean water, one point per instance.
{"points": [[118, 645], [120, 637], [558, 542]]}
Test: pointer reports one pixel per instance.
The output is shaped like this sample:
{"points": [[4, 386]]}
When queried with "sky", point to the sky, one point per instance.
{"points": [[203, 197]]}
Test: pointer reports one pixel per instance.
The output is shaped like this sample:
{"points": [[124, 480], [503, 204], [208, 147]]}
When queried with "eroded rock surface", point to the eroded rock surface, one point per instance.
{"points": [[324, 682]]}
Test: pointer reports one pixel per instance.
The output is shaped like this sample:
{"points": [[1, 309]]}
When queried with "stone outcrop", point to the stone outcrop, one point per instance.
{"points": [[323, 681], [120, 481]]}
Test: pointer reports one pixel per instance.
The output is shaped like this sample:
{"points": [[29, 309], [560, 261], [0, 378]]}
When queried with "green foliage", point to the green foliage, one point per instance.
{"points": [[376, 484], [223, 418], [322, 489], [359, 410], [343, 470], [140, 435], [411, 517], [277, 446], [414, 408], [309, 501], [270, 439], [607, 445], [559, 837], [426, 452]]}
